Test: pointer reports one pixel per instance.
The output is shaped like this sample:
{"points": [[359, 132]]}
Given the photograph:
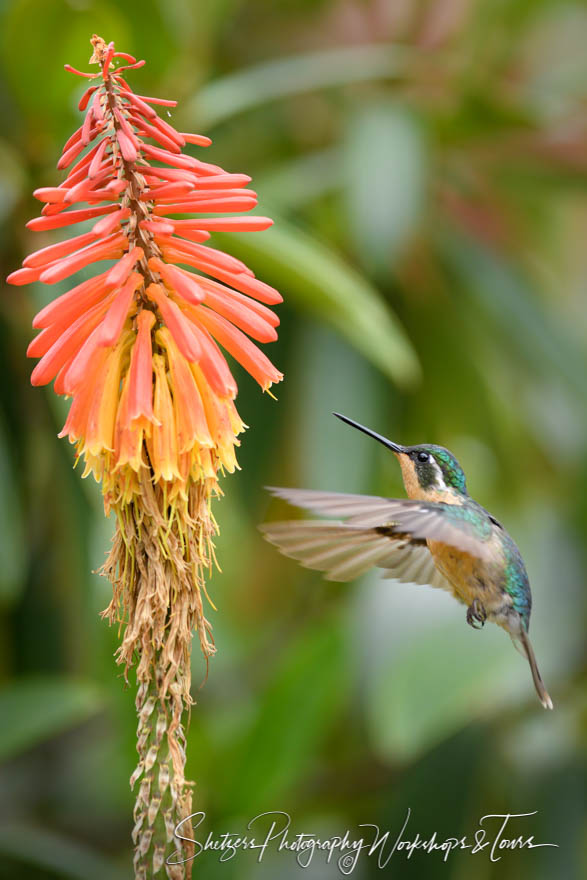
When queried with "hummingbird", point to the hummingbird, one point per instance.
{"points": [[437, 536]]}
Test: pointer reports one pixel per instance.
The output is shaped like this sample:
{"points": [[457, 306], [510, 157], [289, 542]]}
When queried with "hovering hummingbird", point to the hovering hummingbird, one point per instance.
{"points": [[438, 536]]}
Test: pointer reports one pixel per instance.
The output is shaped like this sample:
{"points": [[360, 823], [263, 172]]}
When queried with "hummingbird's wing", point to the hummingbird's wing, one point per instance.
{"points": [[346, 551], [466, 529], [338, 504]]}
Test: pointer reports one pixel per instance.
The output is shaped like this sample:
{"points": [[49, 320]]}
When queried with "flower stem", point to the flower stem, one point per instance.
{"points": [[163, 797], [156, 565]]}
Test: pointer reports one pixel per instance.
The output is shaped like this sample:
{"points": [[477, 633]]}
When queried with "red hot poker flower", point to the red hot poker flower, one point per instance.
{"points": [[126, 164], [140, 349]]}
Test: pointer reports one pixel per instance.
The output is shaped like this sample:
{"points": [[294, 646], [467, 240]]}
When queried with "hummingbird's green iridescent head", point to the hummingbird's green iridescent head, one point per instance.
{"points": [[427, 470], [435, 468]]}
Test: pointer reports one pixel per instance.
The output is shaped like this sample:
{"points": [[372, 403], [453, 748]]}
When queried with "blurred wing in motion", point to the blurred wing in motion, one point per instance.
{"points": [[424, 520], [346, 551]]}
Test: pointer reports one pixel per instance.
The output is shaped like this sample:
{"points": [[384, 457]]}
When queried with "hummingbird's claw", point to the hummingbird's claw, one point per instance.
{"points": [[476, 614]]}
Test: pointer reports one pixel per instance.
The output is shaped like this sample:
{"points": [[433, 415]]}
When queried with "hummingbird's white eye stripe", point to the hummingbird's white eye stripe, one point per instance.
{"points": [[439, 482]]}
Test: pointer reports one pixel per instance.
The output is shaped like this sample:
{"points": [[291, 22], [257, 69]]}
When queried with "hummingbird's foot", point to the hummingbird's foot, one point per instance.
{"points": [[476, 614]]}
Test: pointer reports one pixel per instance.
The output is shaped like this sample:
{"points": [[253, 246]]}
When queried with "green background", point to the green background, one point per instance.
{"points": [[426, 165]]}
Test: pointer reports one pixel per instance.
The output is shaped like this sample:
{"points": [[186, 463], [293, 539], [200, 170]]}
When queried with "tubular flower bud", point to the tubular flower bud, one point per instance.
{"points": [[140, 348]]}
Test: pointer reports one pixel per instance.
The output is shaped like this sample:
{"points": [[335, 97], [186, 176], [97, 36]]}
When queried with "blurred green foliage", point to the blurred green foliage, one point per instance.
{"points": [[426, 163]]}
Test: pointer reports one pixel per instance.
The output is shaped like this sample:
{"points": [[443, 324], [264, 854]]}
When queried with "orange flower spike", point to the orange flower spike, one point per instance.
{"points": [[72, 304], [237, 424], [182, 283], [140, 403], [239, 314], [162, 444], [190, 418], [229, 295], [118, 312], [67, 345], [70, 218], [241, 348], [214, 366], [218, 420], [176, 321], [77, 420], [109, 248], [99, 436], [54, 251], [79, 364], [128, 440]]}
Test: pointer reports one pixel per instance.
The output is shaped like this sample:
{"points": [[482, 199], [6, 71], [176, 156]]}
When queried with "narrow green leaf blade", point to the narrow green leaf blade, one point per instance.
{"points": [[53, 852], [232, 94], [408, 713], [12, 531], [294, 714], [319, 282], [507, 297], [35, 709], [385, 164]]}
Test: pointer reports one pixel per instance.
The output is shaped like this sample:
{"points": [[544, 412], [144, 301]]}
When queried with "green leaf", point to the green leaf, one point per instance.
{"points": [[35, 709], [540, 338], [425, 674], [294, 714], [385, 167], [12, 532], [56, 853], [229, 95], [436, 683], [302, 180], [330, 375], [318, 281], [12, 179]]}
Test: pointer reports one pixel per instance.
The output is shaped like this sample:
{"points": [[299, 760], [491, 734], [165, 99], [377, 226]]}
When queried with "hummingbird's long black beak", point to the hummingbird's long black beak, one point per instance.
{"points": [[393, 446]]}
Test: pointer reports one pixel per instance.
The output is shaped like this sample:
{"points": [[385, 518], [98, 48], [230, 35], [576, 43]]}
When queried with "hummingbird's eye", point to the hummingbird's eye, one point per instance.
{"points": [[423, 456]]}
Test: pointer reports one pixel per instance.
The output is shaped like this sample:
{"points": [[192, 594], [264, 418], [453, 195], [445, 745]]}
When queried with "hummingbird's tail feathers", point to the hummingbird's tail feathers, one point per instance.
{"points": [[343, 552], [412, 563], [523, 641]]}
